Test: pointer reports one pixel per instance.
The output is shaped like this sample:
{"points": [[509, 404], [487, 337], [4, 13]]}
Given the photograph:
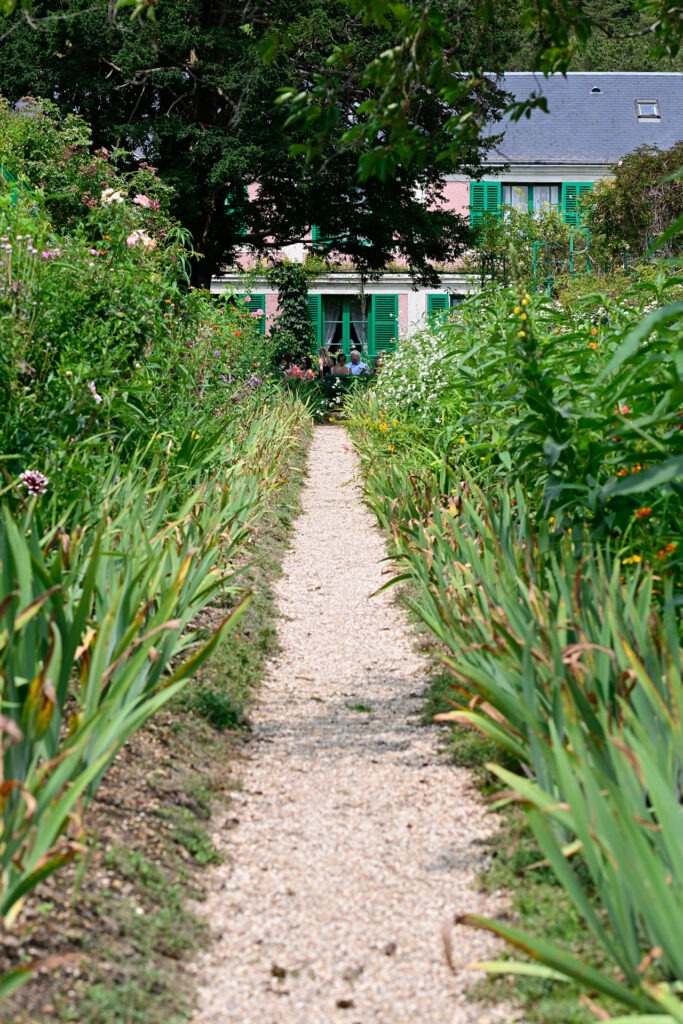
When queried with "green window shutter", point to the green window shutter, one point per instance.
{"points": [[571, 194], [235, 199], [255, 303], [321, 241], [383, 324], [485, 197], [439, 303], [315, 316]]}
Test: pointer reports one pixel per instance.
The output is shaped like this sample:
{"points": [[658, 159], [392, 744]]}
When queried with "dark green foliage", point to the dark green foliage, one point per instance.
{"points": [[626, 213], [194, 94], [292, 331]]}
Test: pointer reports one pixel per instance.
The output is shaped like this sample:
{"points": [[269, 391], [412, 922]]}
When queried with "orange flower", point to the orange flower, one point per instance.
{"points": [[594, 330], [668, 549], [643, 513], [238, 334], [592, 344]]}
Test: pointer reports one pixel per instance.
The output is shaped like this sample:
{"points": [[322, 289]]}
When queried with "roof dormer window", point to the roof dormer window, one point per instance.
{"points": [[648, 110]]}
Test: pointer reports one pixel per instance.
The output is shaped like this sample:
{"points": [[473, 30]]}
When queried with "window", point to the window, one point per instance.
{"points": [[648, 110], [491, 198], [345, 327], [531, 198], [339, 323]]}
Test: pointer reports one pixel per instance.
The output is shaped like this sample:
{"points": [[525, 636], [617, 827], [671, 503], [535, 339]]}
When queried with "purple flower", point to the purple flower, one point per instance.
{"points": [[34, 481], [93, 391], [253, 382], [216, 351]]}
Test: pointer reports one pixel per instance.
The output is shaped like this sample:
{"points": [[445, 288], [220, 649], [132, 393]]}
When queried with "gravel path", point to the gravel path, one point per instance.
{"points": [[355, 842]]}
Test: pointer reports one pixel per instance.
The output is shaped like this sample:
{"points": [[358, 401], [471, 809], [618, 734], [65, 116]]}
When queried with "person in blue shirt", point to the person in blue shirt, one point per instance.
{"points": [[355, 365]]}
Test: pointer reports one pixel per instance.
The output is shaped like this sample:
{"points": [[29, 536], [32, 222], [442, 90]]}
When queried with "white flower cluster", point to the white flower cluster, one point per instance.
{"points": [[417, 376]]}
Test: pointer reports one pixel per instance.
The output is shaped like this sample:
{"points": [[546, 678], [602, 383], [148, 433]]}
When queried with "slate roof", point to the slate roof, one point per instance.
{"points": [[588, 126]]}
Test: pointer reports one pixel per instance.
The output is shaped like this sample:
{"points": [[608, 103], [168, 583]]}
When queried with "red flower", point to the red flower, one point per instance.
{"points": [[643, 513]]}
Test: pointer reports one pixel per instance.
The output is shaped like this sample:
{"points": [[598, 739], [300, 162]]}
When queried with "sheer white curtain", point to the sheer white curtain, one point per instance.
{"points": [[360, 324], [333, 315]]}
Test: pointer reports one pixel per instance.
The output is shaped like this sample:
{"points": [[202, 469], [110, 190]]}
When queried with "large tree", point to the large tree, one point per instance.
{"points": [[194, 94]]}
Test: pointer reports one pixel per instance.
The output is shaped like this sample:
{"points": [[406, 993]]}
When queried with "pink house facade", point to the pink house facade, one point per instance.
{"points": [[549, 160]]}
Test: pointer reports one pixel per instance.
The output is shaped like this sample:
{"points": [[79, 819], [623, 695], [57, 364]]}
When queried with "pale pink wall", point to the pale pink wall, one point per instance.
{"points": [[271, 308], [402, 313], [457, 197]]}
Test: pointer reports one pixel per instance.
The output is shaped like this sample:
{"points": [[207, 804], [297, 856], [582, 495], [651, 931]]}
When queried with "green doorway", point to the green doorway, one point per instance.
{"points": [[344, 324]]}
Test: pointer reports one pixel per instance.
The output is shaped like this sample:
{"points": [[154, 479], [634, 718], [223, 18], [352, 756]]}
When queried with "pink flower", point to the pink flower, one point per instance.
{"points": [[259, 312], [247, 298], [140, 238], [146, 202], [34, 482], [93, 391], [624, 409]]}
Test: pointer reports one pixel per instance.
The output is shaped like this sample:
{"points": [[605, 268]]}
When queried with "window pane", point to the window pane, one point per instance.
{"points": [[544, 196], [516, 196]]}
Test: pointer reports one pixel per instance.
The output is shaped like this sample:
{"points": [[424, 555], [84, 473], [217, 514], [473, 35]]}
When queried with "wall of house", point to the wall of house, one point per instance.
{"points": [[457, 196]]}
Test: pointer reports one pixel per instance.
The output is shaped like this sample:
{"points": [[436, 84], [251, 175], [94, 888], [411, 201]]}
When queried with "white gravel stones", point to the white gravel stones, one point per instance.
{"points": [[357, 842]]}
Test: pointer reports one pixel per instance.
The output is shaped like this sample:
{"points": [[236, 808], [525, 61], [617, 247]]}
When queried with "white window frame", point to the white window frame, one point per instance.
{"points": [[654, 115]]}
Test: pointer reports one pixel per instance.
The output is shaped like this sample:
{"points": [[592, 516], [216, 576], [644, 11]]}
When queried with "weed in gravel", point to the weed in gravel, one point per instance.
{"points": [[191, 835], [218, 708]]}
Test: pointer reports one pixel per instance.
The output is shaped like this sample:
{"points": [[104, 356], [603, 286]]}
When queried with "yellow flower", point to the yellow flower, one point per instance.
{"points": [[631, 560], [526, 300], [384, 426], [463, 440], [551, 520], [523, 316], [517, 309], [521, 334]]}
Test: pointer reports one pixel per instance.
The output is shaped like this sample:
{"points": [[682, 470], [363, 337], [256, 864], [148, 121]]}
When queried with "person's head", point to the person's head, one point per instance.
{"points": [[355, 356], [341, 359]]}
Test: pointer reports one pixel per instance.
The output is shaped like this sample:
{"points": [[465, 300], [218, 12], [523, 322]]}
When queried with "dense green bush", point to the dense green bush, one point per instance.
{"points": [[583, 409], [103, 343], [627, 212]]}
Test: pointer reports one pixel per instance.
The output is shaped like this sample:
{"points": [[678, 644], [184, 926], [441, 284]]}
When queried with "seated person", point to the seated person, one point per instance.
{"points": [[340, 368], [355, 364], [325, 362]]}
